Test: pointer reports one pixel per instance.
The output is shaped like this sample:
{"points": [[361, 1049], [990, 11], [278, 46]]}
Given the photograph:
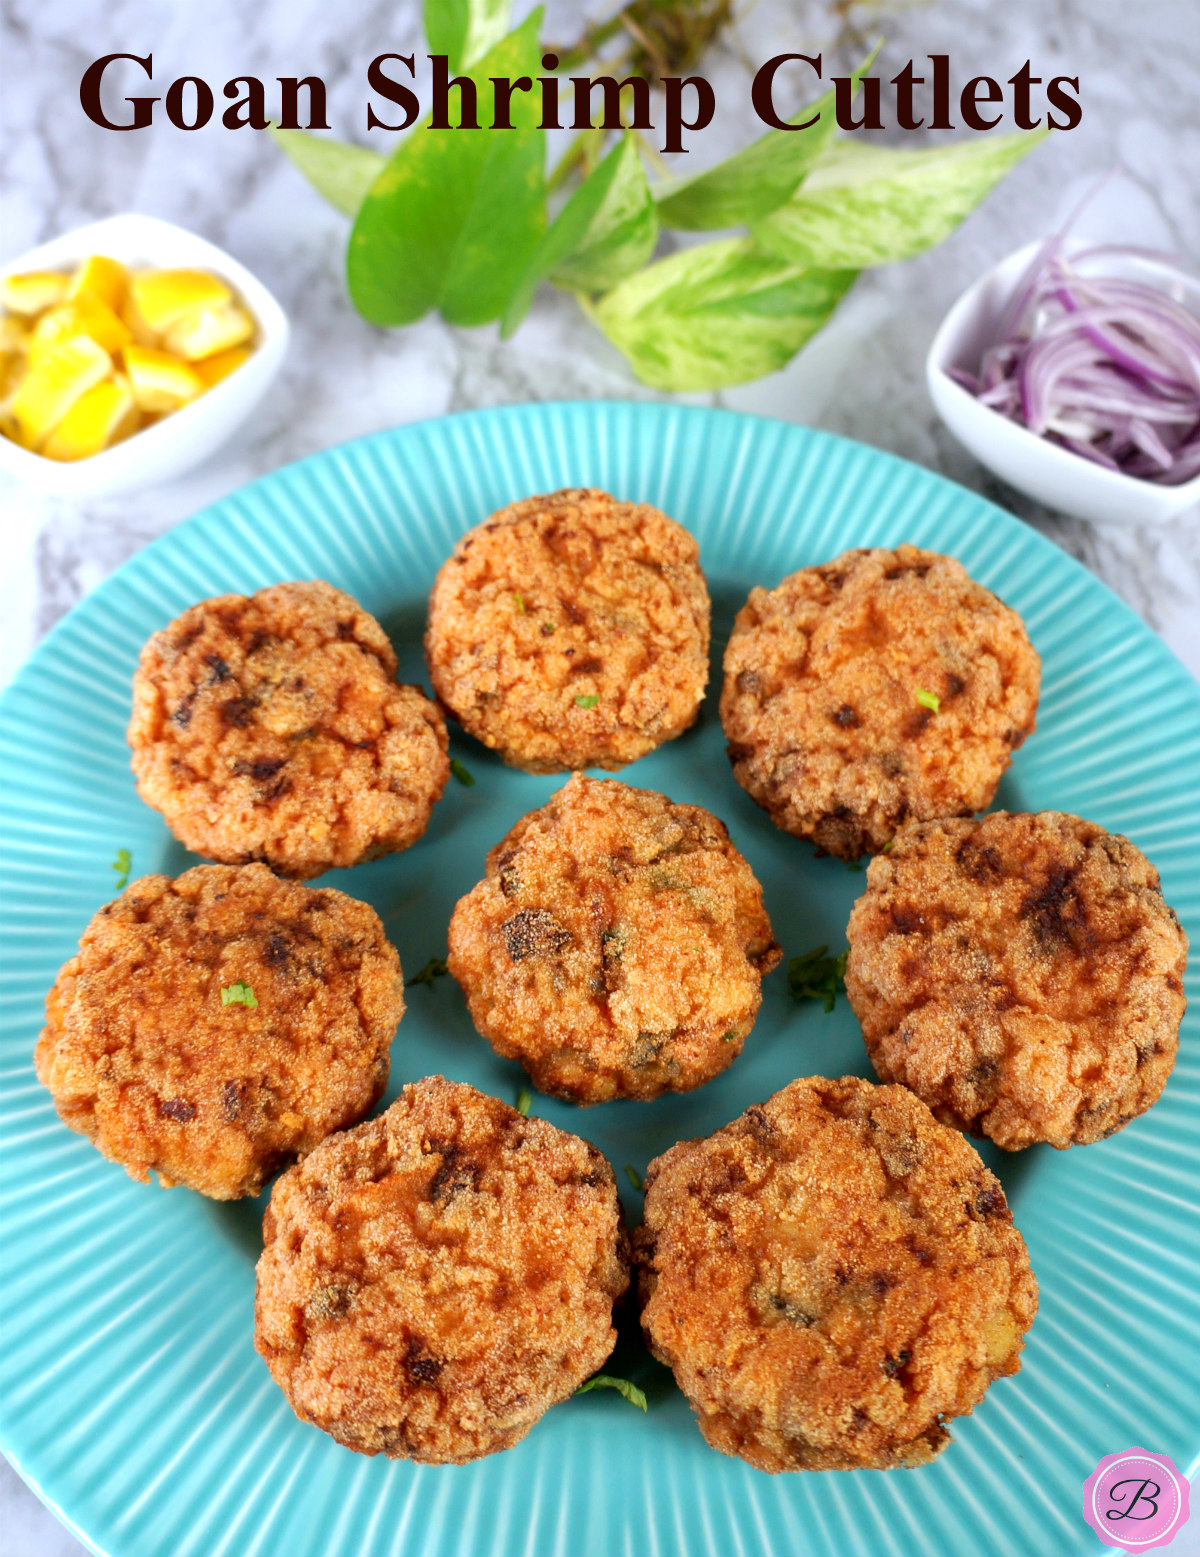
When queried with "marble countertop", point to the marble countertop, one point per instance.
{"points": [[863, 376]]}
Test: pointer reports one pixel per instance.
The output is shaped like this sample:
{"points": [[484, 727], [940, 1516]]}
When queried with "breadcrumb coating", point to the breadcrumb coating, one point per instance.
{"points": [[881, 686], [269, 728], [433, 1281], [616, 946], [144, 1058], [832, 1278], [571, 631], [1021, 973]]}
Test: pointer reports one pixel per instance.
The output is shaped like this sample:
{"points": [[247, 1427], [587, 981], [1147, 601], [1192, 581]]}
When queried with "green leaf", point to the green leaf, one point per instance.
{"points": [[454, 218], [620, 230], [341, 172], [867, 205], [815, 976], [606, 230], [123, 864], [462, 773], [756, 180], [524, 1101], [238, 994], [465, 29], [716, 315], [634, 1395], [435, 968]]}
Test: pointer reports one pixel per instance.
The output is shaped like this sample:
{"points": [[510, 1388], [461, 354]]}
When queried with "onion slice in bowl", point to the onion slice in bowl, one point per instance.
{"points": [[1105, 366]]}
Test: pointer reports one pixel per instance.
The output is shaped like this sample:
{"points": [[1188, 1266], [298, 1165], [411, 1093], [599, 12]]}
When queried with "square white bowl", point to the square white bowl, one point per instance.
{"points": [[187, 436], [1034, 465]]}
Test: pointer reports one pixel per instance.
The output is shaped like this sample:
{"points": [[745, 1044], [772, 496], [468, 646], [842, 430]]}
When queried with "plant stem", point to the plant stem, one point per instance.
{"points": [[583, 152], [593, 38], [670, 35]]}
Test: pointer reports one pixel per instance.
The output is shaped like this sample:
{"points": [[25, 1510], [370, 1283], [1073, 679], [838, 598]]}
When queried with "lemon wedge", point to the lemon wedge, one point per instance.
{"points": [[63, 372], [30, 293], [213, 369], [208, 330], [84, 315], [102, 416], [164, 297], [160, 382], [101, 278]]}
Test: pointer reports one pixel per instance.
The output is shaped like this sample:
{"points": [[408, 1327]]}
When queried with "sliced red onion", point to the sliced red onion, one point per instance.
{"points": [[1106, 367]]}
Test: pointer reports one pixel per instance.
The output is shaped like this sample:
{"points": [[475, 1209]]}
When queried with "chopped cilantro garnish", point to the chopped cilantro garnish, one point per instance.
{"points": [[816, 976], [889, 845], [435, 968], [463, 775], [853, 865], [519, 603], [929, 700], [634, 1177], [588, 700], [548, 629], [238, 994], [524, 1101], [123, 864], [631, 1392]]}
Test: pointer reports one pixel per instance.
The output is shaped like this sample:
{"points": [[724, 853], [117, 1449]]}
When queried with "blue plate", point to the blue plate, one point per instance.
{"points": [[131, 1397]]}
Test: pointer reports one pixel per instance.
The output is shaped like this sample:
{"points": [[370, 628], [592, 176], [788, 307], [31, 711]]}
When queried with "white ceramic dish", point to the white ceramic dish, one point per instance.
{"points": [[181, 440], [1034, 465]]}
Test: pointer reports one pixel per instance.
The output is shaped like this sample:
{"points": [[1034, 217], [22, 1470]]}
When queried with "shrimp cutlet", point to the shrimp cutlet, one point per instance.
{"points": [[270, 728], [571, 631], [1021, 973], [882, 686], [832, 1277], [213, 1027], [616, 946], [433, 1281]]}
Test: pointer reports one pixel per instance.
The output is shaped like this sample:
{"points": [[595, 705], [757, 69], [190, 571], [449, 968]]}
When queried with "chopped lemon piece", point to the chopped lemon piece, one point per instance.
{"points": [[14, 357], [62, 373], [209, 330], [160, 382], [30, 293], [102, 278], [213, 369], [10, 428], [13, 367], [14, 337], [138, 328], [98, 419], [84, 315], [163, 297], [178, 331]]}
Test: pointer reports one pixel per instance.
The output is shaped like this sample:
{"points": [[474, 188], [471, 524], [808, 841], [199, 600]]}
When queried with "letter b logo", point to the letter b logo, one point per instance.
{"points": [[1136, 1500]]}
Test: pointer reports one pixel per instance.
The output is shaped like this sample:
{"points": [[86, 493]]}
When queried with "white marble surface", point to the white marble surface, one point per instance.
{"points": [[862, 377]]}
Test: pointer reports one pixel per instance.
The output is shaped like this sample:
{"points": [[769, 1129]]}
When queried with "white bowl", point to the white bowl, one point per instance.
{"points": [[187, 436], [1035, 465]]}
